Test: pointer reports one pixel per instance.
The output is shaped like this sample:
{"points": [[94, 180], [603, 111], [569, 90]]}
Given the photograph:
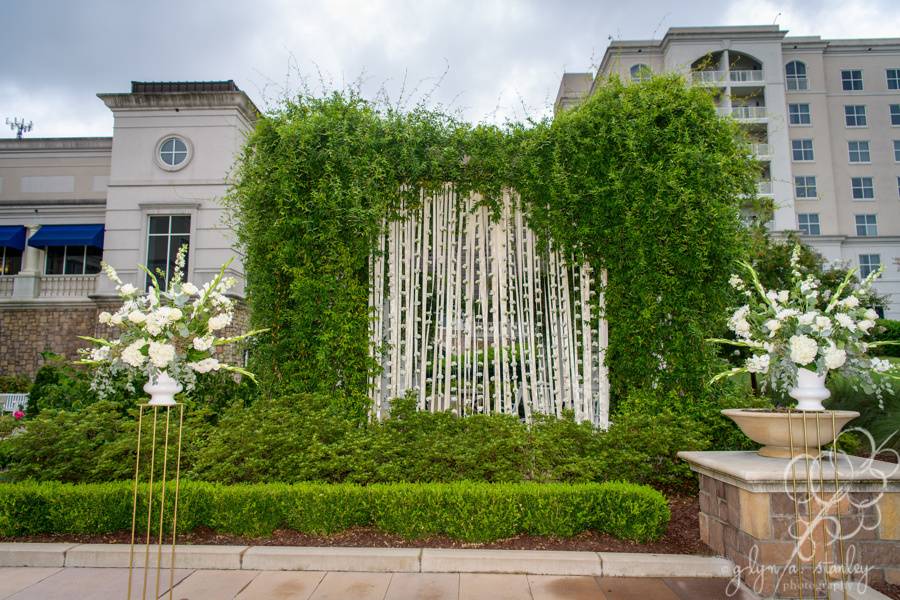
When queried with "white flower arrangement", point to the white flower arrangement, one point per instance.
{"points": [[172, 330], [806, 327]]}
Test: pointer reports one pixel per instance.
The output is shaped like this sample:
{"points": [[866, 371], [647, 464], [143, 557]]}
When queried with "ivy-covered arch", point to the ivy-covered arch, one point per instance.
{"points": [[642, 180]]}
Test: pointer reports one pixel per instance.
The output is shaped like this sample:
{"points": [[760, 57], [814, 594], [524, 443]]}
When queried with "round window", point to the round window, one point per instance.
{"points": [[173, 151]]}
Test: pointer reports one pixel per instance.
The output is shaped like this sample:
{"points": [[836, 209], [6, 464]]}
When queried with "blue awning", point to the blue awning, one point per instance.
{"points": [[12, 236], [68, 235]]}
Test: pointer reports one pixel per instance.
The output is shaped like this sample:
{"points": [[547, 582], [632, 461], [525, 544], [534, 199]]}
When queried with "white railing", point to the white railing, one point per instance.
{"points": [[67, 286], [743, 113], [708, 77], [12, 402], [746, 76], [6, 285], [764, 188], [760, 150]]}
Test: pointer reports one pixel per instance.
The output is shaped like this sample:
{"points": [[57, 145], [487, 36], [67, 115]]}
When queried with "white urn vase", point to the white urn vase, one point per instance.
{"points": [[809, 391], [162, 390]]}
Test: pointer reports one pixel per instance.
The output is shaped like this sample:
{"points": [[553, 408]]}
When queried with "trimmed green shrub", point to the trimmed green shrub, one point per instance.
{"points": [[14, 384], [475, 512]]}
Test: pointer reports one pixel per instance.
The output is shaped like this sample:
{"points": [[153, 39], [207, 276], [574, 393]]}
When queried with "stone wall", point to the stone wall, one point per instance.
{"points": [[759, 531], [28, 330]]}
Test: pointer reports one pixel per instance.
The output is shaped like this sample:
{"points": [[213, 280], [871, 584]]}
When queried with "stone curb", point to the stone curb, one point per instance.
{"points": [[400, 560]]}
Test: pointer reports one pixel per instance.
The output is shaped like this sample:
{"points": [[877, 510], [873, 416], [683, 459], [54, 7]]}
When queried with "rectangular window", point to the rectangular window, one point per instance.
{"points": [[10, 261], [808, 224], [896, 150], [799, 114], [895, 114], [802, 150], [893, 79], [851, 80], [805, 187], [862, 188], [859, 151], [855, 115], [167, 233], [868, 263], [72, 260], [866, 225]]}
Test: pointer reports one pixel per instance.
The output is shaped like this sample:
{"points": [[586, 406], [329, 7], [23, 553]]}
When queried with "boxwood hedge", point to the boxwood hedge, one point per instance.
{"points": [[469, 511]]}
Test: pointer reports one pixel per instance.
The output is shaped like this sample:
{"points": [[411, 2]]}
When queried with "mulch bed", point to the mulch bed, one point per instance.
{"points": [[682, 537]]}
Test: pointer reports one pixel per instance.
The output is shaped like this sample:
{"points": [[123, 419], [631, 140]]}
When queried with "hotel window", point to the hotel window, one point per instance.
{"points": [[859, 152], [10, 261], [862, 188], [802, 150], [855, 115], [868, 263], [851, 80], [72, 260], [795, 75], [893, 79], [808, 223], [895, 114], [799, 114], [896, 150], [866, 225], [167, 233], [805, 186], [640, 73]]}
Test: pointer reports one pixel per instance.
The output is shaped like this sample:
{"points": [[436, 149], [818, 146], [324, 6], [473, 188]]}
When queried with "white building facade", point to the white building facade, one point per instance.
{"points": [[823, 117], [134, 198]]}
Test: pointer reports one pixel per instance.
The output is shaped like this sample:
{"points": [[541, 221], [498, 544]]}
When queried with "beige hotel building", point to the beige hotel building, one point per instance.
{"points": [[823, 117]]}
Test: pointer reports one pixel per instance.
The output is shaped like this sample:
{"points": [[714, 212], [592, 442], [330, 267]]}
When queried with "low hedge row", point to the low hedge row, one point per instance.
{"points": [[469, 511]]}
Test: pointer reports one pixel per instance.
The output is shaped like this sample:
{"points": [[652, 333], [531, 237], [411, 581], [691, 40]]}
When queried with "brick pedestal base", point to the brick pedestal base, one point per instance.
{"points": [[785, 548]]}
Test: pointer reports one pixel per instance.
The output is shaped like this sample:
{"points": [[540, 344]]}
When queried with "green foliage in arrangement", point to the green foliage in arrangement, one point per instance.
{"points": [[643, 180], [888, 331], [474, 512]]}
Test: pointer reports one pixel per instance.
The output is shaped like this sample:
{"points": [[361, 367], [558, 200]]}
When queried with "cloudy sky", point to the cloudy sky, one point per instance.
{"points": [[486, 59]]}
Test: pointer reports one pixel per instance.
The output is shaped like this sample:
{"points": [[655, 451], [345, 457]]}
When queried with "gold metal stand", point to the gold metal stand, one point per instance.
{"points": [[150, 468]]}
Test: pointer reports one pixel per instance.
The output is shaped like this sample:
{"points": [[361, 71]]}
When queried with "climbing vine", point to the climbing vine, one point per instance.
{"points": [[642, 180]]}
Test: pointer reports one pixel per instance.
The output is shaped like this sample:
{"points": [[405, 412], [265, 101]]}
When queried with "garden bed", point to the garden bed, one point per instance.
{"points": [[682, 536]]}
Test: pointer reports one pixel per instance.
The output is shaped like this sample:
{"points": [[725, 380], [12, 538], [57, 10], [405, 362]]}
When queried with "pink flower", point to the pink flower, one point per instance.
{"points": [[19, 415]]}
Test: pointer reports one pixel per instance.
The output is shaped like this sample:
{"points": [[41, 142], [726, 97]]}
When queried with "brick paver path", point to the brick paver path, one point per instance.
{"points": [[28, 583]]}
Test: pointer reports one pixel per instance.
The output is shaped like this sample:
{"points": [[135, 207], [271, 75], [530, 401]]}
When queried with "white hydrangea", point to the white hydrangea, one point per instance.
{"points": [[835, 357], [220, 321], [189, 288], [137, 317], [803, 349], [758, 363], [155, 322], [161, 354], [203, 343], [104, 318], [845, 321], [823, 323], [132, 353], [206, 365]]}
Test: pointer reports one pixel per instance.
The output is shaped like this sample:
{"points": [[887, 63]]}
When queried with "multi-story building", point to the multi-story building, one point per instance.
{"points": [[133, 198], [823, 117]]}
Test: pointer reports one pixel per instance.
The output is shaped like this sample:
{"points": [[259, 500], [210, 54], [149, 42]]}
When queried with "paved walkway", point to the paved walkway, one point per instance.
{"points": [[30, 583]]}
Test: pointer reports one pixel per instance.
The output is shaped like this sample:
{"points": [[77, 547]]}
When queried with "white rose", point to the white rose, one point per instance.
{"points": [[835, 357], [169, 313], [137, 317], [189, 288], [823, 323], [803, 349], [203, 343], [132, 353], [161, 354], [758, 363], [871, 314], [865, 325], [773, 325], [155, 323], [127, 290], [850, 302], [116, 319], [807, 318], [206, 365], [742, 328], [105, 317], [845, 321], [219, 322]]}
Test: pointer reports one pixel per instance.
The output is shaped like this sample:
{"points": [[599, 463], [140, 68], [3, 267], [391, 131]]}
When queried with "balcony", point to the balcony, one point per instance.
{"points": [[764, 188], [67, 286], [708, 77], [6, 286], [761, 151], [744, 114], [746, 77]]}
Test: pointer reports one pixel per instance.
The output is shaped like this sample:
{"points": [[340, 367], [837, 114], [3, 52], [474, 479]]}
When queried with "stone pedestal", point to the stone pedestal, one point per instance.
{"points": [[757, 512]]}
